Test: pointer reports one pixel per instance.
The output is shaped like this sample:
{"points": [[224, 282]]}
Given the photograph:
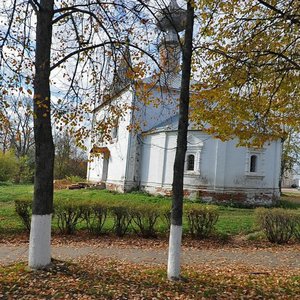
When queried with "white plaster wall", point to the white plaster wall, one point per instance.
{"points": [[170, 158], [152, 159], [95, 168], [237, 167], [223, 166], [207, 159], [158, 155], [118, 148]]}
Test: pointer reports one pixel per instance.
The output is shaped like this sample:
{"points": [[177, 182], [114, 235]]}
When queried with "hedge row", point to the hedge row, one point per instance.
{"points": [[279, 224], [143, 219]]}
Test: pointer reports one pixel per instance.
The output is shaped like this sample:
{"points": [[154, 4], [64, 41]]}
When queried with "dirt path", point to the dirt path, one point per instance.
{"points": [[260, 258]]}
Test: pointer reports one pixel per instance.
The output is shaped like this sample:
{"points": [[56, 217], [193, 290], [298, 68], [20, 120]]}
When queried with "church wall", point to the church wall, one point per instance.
{"points": [[221, 170], [118, 148], [235, 183], [94, 169], [239, 175], [153, 159], [158, 155]]}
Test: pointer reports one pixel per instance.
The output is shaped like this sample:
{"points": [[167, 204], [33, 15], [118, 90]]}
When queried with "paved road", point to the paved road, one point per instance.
{"points": [[262, 258]]}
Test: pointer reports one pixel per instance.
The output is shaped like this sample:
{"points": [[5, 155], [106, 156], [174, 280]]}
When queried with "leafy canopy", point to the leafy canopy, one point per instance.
{"points": [[249, 64]]}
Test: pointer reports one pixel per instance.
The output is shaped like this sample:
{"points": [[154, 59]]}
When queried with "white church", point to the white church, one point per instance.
{"points": [[215, 171]]}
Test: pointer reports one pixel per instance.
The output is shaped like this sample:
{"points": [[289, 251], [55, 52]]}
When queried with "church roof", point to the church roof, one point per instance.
{"points": [[169, 124], [168, 80]]}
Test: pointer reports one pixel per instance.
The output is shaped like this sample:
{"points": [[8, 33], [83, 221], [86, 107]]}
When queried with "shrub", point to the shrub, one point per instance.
{"points": [[166, 215], [201, 219], [122, 218], [145, 217], [68, 215], [277, 223], [288, 204], [25, 171], [95, 217], [8, 166], [23, 209], [297, 227]]}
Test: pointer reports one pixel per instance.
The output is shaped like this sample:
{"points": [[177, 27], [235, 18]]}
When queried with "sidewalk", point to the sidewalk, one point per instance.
{"points": [[262, 258]]}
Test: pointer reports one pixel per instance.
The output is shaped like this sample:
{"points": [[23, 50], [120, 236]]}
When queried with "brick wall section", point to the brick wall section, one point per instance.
{"points": [[115, 187], [238, 198], [235, 198]]}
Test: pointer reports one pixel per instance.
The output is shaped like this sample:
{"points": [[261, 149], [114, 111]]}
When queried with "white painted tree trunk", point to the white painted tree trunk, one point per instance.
{"points": [[174, 252], [40, 240]]}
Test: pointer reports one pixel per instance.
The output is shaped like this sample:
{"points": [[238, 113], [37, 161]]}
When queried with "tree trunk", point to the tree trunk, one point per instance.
{"points": [[177, 201], [40, 233]]}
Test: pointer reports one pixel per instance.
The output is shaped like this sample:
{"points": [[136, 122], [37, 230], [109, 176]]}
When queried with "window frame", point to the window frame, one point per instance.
{"points": [[197, 160], [188, 162], [253, 163], [259, 153]]}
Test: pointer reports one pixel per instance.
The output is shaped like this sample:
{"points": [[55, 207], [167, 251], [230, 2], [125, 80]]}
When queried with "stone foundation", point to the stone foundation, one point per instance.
{"points": [[247, 198], [122, 187], [115, 187]]}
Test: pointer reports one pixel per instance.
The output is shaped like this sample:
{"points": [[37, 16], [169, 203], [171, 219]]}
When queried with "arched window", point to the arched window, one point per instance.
{"points": [[253, 163], [190, 162]]}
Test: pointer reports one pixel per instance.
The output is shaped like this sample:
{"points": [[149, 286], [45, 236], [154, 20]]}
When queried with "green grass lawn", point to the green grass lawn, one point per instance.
{"points": [[9, 192], [231, 221]]}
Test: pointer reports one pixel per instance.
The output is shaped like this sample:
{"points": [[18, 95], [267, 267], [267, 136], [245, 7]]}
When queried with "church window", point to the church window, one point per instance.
{"points": [[253, 163], [190, 162]]}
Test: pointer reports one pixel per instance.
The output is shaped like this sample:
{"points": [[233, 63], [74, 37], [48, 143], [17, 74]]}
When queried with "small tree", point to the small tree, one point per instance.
{"points": [[70, 160], [16, 133], [177, 186], [8, 166]]}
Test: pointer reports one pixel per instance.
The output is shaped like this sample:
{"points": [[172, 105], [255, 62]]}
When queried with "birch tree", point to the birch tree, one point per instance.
{"points": [[178, 173], [246, 57]]}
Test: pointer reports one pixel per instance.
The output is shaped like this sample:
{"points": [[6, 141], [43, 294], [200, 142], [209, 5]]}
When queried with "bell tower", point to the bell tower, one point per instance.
{"points": [[171, 21]]}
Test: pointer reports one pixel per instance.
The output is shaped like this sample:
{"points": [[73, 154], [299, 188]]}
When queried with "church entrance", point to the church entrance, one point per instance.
{"points": [[104, 169]]}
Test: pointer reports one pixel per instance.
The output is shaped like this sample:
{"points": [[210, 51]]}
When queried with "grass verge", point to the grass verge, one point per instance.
{"points": [[232, 221]]}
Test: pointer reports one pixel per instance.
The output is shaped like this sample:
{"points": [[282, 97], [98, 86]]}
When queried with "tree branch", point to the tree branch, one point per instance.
{"points": [[280, 12], [35, 5], [102, 45]]}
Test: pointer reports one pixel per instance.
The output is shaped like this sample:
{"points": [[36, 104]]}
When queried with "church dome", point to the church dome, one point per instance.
{"points": [[171, 18]]}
